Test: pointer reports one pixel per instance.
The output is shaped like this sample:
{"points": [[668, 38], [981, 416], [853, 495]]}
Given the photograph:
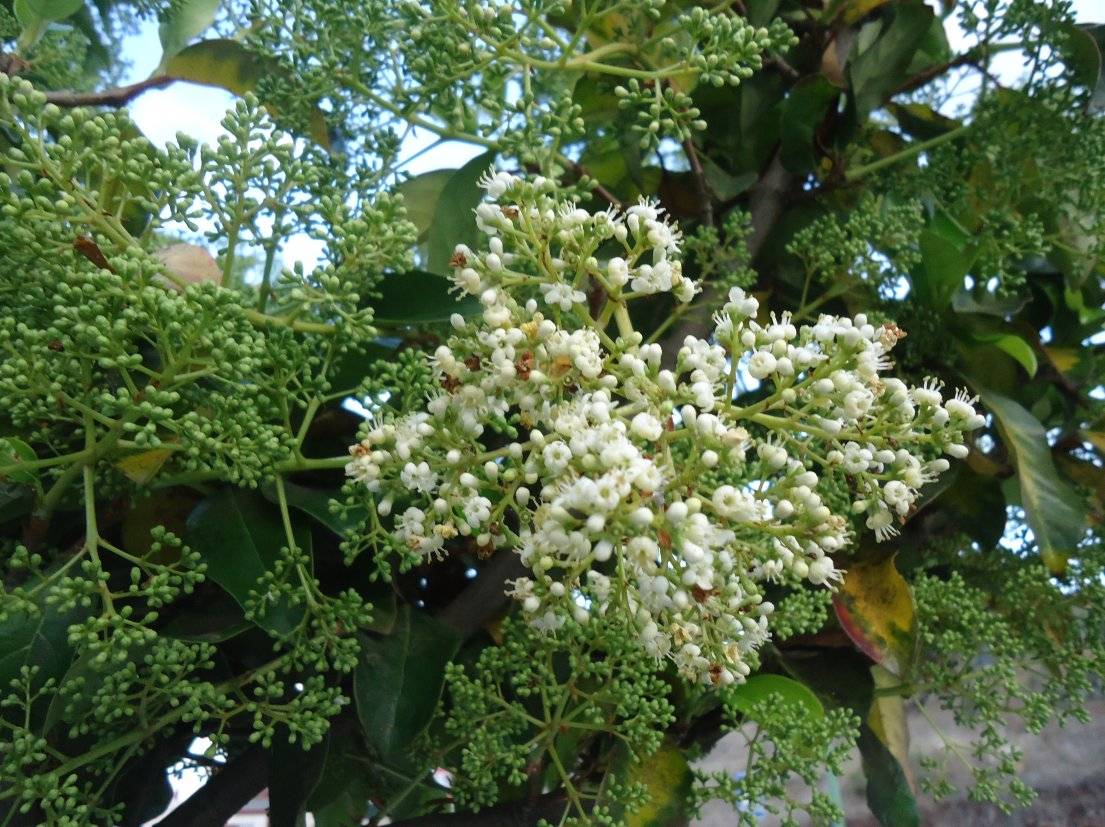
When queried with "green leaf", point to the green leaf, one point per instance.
{"points": [[888, 794], [34, 12], [454, 221], [239, 537], [758, 687], [1054, 509], [921, 120], [294, 773], [888, 722], [185, 20], [987, 303], [316, 503], [877, 68], [1015, 346], [229, 65], [945, 261], [12, 452], [421, 195], [37, 640], [418, 297], [803, 111], [875, 608], [399, 678]]}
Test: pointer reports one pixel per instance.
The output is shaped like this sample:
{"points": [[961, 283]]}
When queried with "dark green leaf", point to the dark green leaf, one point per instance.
{"points": [[888, 794], [987, 303], [454, 219], [418, 297], [399, 678], [803, 111], [294, 773], [921, 120], [37, 640], [877, 68], [316, 503], [239, 537]]}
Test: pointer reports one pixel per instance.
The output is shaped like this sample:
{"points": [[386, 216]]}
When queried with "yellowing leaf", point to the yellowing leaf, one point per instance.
{"points": [[141, 468], [1063, 358], [876, 610], [667, 776]]}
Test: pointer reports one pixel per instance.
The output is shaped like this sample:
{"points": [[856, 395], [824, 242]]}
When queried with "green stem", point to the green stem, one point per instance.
{"points": [[856, 173]]}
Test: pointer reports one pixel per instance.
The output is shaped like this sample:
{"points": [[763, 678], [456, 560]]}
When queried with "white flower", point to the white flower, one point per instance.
{"points": [[646, 426]]}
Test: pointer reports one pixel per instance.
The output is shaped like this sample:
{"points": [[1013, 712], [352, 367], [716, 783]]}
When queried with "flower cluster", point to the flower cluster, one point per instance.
{"points": [[634, 489]]}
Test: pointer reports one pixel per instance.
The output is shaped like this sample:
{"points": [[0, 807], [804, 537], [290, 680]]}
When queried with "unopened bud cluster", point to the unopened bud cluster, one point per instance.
{"points": [[636, 493]]}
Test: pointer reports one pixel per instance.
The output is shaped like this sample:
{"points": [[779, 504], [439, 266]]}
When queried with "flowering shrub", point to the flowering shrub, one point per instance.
{"points": [[640, 454], [629, 488]]}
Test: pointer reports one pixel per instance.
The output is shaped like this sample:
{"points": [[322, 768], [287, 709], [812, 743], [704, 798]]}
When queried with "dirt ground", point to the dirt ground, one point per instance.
{"points": [[1065, 766]]}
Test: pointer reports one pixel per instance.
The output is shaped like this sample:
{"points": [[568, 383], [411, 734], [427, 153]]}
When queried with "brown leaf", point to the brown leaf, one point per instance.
{"points": [[190, 262]]}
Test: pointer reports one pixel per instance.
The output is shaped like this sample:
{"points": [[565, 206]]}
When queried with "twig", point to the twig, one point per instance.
{"points": [[701, 185], [119, 96]]}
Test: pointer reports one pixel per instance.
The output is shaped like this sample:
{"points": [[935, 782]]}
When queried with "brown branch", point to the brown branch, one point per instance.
{"points": [[701, 185], [766, 201], [524, 813], [598, 189], [226, 792], [119, 96], [485, 597]]}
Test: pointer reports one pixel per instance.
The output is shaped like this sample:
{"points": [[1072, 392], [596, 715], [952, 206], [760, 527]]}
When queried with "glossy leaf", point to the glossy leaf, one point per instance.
{"points": [[399, 679], [876, 610], [1013, 345], [887, 720], [1054, 509], [168, 507], [454, 220], [789, 691], [945, 261], [316, 503], [418, 297], [38, 640], [239, 537], [878, 69]]}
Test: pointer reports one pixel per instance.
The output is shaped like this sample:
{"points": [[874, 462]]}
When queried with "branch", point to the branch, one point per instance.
{"points": [[525, 813], [701, 185], [485, 597], [119, 96], [765, 203], [225, 793]]}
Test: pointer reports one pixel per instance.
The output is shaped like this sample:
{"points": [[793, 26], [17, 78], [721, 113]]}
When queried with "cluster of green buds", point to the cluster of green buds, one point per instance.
{"points": [[632, 489]]}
